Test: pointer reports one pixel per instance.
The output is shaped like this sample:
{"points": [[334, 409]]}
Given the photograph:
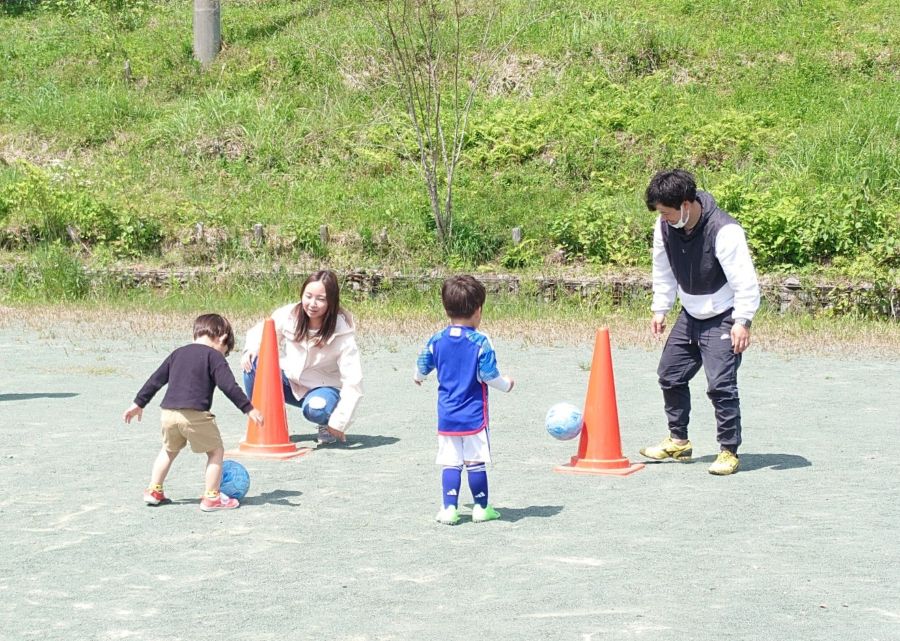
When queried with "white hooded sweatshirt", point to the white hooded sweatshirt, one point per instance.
{"points": [[308, 365]]}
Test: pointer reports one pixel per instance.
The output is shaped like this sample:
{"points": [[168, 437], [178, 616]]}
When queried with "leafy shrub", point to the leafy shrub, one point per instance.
{"points": [[51, 274], [471, 242], [789, 229], [510, 134], [734, 135], [602, 232], [44, 208], [304, 236], [525, 254], [124, 15]]}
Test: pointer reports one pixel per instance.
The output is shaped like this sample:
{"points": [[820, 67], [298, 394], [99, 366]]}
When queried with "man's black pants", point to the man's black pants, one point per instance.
{"points": [[692, 343]]}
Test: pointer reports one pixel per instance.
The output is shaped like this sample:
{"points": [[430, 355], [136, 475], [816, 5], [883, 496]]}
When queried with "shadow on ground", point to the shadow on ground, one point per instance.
{"points": [[355, 441], [34, 395], [276, 497], [512, 514], [751, 462]]}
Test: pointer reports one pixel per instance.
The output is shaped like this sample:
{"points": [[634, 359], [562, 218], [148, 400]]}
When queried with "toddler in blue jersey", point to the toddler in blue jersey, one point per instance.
{"points": [[466, 366]]}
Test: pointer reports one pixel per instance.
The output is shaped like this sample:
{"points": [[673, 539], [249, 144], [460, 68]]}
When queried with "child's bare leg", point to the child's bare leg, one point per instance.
{"points": [[161, 467], [214, 470]]}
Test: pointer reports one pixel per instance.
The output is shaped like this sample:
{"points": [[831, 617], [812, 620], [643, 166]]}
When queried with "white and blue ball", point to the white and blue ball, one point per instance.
{"points": [[564, 421]]}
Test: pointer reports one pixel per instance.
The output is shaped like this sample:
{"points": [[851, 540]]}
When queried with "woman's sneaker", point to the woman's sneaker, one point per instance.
{"points": [[155, 497], [482, 514], [326, 437], [219, 502]]}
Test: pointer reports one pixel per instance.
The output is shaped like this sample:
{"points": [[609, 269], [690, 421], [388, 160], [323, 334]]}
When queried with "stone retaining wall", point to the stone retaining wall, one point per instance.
{"points": [[787, 294]]}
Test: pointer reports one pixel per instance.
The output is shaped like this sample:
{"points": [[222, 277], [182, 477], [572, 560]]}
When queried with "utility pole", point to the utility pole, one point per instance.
{"points": [[207, 30]]}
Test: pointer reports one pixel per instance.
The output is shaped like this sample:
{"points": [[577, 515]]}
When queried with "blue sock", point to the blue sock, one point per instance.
{"points": [[451, 479], [478, 483]]}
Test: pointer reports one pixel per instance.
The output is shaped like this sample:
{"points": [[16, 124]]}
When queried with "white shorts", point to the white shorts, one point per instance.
{"points": [[456, 450]]}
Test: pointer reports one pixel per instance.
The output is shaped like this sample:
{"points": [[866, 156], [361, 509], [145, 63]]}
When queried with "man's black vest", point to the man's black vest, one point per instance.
{"points": [[693, 256]]}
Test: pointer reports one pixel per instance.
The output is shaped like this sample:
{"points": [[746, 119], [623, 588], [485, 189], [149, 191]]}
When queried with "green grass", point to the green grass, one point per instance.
{"points": [[776, 105]]}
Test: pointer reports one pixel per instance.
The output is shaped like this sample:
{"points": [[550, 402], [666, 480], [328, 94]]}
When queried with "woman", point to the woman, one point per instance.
{"points": [[320, 368]]}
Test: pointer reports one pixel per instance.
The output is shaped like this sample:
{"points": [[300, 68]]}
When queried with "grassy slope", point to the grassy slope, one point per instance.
{"points": [[291, 125]]}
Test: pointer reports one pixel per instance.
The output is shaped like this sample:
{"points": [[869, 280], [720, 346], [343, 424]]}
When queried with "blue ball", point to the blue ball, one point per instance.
{"points": [[564, 421], [235, 479]]}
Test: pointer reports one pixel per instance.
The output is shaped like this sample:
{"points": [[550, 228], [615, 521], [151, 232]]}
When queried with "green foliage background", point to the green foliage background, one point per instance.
{"points": [[787, 111]]}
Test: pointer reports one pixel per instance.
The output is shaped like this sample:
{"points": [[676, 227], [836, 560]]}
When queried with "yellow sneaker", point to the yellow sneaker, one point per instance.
{"points": [[726, 463], [669, 449]]}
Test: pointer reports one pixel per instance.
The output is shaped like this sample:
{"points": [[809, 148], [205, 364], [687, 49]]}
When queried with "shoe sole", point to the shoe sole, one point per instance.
{"points": [[683, 458], [456, 522], [217, 509], [723, 472], [157, 503]]}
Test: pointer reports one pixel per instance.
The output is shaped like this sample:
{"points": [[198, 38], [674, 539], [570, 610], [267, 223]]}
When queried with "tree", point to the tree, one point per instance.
{"points": [[438, 81]]}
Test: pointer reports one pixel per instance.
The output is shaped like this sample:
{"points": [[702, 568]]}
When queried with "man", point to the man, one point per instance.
{"points": [[699, 253]]}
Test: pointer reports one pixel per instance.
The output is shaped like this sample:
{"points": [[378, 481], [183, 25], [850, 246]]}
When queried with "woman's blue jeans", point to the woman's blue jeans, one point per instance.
{"points": [[317, 405]]}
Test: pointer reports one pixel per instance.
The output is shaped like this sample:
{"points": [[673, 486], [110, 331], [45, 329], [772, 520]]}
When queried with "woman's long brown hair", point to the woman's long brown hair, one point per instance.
{"points": [[332, 296]]}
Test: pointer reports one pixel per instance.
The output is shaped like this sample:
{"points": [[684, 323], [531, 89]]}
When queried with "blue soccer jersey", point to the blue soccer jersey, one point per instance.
{"points": [[464, 359]]}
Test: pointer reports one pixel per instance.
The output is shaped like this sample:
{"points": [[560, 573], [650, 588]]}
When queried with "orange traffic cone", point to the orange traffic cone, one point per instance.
{"points": [[600, 448], [269, 440]]}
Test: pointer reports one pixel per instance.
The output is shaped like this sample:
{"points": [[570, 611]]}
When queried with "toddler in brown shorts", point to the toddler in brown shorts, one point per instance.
{"points": [[192, 373]]}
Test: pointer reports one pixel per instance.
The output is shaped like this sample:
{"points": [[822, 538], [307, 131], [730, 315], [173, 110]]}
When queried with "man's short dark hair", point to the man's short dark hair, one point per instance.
{"points": [[215, 327], [462, 296], [670, 188]]}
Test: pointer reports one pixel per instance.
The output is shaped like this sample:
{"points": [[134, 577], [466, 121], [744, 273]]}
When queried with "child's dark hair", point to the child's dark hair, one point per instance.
{"points": [[215, 327], [670, 188], [462, 296], [332, 296]]}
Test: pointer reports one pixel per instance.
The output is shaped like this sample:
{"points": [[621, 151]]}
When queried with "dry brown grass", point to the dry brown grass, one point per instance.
{"points": [[780, 334]]}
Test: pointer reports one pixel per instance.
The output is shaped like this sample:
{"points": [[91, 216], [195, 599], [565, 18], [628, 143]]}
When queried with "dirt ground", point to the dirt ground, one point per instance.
{"points": [[341, 544]]}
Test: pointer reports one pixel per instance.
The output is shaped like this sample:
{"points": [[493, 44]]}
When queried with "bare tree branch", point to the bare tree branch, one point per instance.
{"points": [[427, 58]]}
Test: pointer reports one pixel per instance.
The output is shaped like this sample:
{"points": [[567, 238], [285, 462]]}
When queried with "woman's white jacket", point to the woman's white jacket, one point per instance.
{"points": [[308, 365]]}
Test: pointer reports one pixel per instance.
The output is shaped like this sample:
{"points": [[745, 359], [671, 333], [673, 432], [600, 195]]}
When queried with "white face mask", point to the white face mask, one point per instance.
{"points": [[682, 220]]}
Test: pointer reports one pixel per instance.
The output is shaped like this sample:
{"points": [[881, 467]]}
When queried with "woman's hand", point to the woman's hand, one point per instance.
{"points": [[247, 359]]}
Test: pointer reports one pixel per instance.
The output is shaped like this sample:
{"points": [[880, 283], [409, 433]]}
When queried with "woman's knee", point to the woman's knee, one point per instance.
{"points": [[319, 405]]}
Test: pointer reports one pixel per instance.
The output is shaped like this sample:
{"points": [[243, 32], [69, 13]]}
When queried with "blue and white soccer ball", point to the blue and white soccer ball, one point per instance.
{"points": [[564, 421]]}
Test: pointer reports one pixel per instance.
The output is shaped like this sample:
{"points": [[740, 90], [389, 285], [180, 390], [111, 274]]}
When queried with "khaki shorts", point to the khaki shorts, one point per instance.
{"points": [[180, 427]]}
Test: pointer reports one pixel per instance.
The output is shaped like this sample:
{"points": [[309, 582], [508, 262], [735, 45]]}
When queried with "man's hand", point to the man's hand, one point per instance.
{"points": [[658, 325], [740, 338], [256, 415]]}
